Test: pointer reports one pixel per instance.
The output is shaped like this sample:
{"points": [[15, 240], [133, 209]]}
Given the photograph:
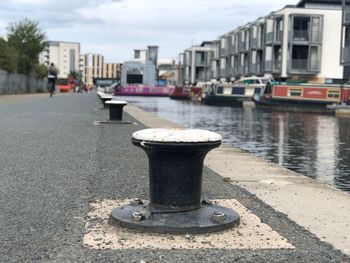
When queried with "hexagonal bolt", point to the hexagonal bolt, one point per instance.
{"points": [[218, 217], [137, 216]]}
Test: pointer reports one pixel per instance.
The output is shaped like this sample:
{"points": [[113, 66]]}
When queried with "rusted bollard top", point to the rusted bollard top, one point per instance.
{"points": [[178, 135]]}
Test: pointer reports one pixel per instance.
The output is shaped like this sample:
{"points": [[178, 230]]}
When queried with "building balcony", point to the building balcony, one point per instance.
{"points": [[268, 66], [299, 64], [345, 55], [259, 43], [223, 73], [246, 46], [276, 67], [246, 69], [216, 55], [278, 37], [231, 49], [268, 38], [259, 69], [240, 46], [223, 52], [300, 35], [253, 68], [240, 70], [187, 63], [213, 74], [346, 18], [303, 66], [200, 63], [231, 71], [200, 77], [254, 43]]}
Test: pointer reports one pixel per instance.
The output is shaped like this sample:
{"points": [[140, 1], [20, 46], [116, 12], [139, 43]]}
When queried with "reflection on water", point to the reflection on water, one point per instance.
{"points": [[315, 145]]}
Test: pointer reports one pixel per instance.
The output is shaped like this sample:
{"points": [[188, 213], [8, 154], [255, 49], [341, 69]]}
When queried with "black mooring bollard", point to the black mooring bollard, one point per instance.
{"points": [[116, 109], [104, 98], [176, 159]]}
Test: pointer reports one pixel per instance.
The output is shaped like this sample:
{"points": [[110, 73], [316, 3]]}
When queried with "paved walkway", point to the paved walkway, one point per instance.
{"points": [[57, 166]]}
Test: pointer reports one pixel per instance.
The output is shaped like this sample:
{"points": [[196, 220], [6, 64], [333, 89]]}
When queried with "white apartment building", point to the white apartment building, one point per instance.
{"points": [[197, 63], [91, 66], [296, 42], [65, 56], [299, 41]]}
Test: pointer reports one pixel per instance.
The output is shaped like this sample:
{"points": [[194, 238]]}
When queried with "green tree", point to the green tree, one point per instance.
{"points": [[8, 57], [40, 71], [27, 38]]}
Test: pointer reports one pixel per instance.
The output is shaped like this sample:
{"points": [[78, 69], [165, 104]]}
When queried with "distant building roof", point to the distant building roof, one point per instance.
{"points": [[328, 2], [206, 43], [55, 42]]}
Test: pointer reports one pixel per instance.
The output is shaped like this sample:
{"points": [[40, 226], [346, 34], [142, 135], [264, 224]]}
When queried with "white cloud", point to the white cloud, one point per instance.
{"points": [[116, 27], [34, 2]]}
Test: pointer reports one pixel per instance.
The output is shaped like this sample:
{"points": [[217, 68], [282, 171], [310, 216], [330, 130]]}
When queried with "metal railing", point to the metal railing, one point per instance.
{"points": [[268, 65], [347, 15], [300, 35], [277, 66], [278, 36], [268, 37], [254, 42], [345, 55], [299, 64], [200, 62], [224, 52], [259, 68], [240, 46], [253, 68], [223, 73]]}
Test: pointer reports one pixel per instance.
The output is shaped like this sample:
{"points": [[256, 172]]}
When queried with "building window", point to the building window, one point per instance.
{"points": [[301, 25], [333, 94], [223, 63], [300, 56], [295, 92], [223, 43]]}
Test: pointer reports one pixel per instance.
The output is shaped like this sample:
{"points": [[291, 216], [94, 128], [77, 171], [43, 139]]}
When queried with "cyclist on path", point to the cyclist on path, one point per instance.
{"points": [[52, 75]]}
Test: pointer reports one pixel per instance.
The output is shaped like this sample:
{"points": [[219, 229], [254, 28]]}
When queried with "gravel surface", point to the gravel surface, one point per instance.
{"points": [[55, 160]]}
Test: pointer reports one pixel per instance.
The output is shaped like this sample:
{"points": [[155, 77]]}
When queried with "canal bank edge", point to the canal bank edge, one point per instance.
{"points": [[320, 208]]}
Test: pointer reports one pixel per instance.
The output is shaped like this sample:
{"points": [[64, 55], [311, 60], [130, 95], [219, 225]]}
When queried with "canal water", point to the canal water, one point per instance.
{"points": [[315, 145]]}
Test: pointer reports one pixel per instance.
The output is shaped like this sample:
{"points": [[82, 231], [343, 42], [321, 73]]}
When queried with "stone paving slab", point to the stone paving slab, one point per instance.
{"points": [[251, 234]]}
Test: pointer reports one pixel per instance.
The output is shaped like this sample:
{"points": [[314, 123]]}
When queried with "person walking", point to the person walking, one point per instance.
{"points": [[52, 75]]}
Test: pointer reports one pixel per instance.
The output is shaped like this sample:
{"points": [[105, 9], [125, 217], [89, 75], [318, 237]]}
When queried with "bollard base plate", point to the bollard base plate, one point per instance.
{"points": [[191, 222]]}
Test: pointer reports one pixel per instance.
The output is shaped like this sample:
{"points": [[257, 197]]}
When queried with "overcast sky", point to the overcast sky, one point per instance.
{"points": [[114, 28]]}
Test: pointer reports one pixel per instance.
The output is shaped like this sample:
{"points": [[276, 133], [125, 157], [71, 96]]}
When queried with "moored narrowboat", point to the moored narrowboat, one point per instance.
{"points": [[303, 97], [142, 91], [186, 93], [180, 93], [234, 94]]}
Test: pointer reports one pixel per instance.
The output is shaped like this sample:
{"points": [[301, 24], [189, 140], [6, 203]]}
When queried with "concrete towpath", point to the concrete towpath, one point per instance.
{"points": [[61, 171]]}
